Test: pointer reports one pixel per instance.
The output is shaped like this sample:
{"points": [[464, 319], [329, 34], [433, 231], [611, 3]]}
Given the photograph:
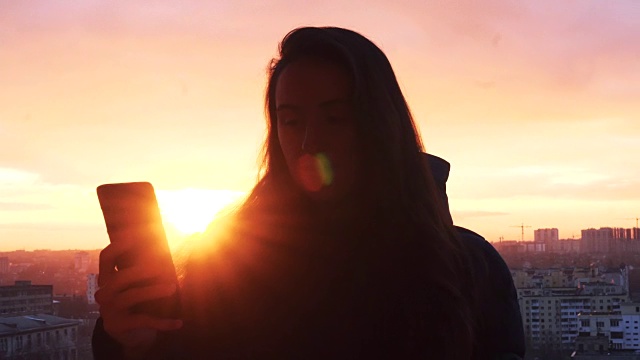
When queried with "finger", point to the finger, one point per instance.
{"points": [[108, 257], [130, 277], [133, 297], [126, 279], [102, 298], [142, 321], [165, 324]]}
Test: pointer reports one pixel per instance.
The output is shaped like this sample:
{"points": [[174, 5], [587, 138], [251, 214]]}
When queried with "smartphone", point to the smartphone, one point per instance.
{"points": [[131, 213]]}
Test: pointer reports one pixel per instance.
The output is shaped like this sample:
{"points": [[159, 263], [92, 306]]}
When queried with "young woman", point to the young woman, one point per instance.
{"points": [[344, 248]]}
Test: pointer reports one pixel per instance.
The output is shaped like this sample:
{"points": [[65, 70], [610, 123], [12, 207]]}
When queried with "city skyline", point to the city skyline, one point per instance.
{"points": [[178, 238], [533, 104]]}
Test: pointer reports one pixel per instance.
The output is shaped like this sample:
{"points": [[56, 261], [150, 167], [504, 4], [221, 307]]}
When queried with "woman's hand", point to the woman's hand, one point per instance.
{"points": [[120, 290]]}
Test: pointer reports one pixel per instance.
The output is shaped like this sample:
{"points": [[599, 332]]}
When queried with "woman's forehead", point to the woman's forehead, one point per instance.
{"points": [[312, 82]]}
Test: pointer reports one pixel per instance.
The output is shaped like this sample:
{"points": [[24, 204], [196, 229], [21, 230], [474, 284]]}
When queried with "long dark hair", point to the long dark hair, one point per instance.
{"points": [[398, 182]]}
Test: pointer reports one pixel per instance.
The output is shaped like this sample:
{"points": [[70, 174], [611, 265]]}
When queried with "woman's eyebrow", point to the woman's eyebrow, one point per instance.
{"points": [[332, 102], [324, 104]]}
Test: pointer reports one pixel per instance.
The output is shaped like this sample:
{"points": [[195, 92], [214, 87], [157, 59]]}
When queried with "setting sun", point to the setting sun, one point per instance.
{"points": [[190, 210]]}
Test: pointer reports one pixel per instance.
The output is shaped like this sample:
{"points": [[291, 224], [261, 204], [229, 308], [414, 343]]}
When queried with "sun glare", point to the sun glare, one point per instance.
{"points": [[189, 211]]}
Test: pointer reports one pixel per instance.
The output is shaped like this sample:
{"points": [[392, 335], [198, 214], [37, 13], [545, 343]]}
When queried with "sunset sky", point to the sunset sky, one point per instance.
{"points": [[536, 105]]}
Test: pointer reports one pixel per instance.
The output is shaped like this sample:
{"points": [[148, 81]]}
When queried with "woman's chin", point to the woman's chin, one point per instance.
{"points": [[325, 194]]}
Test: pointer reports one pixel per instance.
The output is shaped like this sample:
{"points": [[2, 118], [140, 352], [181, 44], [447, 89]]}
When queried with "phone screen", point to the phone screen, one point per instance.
{"points": [[131, 213]]}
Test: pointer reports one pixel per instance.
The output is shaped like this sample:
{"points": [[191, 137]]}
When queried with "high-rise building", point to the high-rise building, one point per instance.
{"points": [[82, 261], [547, 236], [597, 240], [4, 265], [92, 287], [607, 240], [26, 299]]}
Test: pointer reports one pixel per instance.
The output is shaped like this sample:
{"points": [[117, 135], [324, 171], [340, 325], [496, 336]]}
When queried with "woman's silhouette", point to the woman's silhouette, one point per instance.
{"points": [[344, 248]]}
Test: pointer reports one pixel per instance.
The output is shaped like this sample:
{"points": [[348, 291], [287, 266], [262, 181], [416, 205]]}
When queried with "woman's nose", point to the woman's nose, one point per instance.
{"points": [[312, 142]]}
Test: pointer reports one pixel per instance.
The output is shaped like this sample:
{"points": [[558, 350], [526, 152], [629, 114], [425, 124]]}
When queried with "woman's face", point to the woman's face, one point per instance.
{"points": [[317, 128]]}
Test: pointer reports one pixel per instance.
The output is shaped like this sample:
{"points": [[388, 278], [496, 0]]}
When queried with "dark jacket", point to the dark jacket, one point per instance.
{"points": [[501, 330], [304, 320]]}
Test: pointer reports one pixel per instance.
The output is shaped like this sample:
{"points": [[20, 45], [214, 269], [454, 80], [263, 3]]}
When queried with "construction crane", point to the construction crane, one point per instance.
{"points": [[521, 226], [635, 218], [636, 232]]}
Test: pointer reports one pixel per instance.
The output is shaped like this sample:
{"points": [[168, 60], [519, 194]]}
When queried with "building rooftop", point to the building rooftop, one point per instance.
{"points": [[23, 284], [25, 323]]}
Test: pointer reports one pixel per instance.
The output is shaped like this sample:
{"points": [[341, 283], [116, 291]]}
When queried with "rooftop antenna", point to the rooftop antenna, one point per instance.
{"points": [[522, 226]]}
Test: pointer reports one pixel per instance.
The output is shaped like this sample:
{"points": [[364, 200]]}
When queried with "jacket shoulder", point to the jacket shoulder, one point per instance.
{"points": [[499, 319]]}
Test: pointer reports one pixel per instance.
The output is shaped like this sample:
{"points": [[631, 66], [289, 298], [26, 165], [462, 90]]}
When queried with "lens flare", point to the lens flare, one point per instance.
{"points": [[315, 171], [324, 166]]}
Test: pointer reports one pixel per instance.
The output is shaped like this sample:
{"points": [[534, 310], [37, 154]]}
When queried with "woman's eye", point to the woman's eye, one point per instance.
{"points": [[338, 115], [337, 119], [291, 122]]}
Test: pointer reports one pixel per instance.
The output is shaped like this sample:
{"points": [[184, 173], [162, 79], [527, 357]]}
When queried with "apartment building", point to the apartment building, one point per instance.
{"points": [[23, 298], [40, 336], [82, 260], [610, 240], [4, 265], [92, 287], [551, 301], [621, 329], [550, 316]]}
